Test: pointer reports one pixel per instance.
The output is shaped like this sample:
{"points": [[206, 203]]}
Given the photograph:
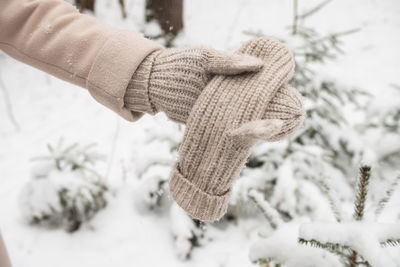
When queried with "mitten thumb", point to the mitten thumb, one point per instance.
{"points": [[249, 133], [219, 62]]}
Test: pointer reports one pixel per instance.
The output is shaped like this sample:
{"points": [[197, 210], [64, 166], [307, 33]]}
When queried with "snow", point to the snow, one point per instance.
{"points": [[283, 195], [364, 237], [122, 234], [183, 229], [41, 196], [267, 209], [282, 246]]}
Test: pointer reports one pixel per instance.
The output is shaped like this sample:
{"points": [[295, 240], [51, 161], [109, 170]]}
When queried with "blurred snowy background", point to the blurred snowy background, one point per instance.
{"points": [[80, 186]]}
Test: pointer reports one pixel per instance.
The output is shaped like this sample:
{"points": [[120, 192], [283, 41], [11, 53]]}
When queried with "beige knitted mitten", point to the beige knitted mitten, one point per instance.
{"points": [[229, 117], [170, 80]]}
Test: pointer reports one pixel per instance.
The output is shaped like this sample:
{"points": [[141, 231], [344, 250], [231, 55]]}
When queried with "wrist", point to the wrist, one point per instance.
{"points": [[137, 96]]}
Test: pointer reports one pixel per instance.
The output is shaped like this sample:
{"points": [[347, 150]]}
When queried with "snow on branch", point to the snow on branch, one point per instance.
{"points": [[358, 242], [269, 212], [388, 195], [367, 238], [282, 247]]}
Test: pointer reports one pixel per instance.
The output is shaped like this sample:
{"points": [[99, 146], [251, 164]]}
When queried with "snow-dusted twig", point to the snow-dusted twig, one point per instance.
{"points": [[334, 248], [359, 204], [388, 195], [295, 17], [362, 190], [269, 212], [395, 86], [358, 243], [333, 201], [314, 10], [281, 247]]}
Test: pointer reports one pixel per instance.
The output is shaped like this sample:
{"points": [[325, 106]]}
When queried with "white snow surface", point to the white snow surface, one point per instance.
{"points": [[120, 235]]}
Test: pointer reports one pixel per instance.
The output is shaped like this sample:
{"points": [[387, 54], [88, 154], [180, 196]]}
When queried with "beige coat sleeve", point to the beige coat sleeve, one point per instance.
{"points": [[53, 36], [4, 259]]}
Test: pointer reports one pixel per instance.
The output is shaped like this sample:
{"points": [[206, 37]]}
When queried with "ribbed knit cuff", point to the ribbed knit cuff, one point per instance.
{"points": [[199, 204], [137, 94]]}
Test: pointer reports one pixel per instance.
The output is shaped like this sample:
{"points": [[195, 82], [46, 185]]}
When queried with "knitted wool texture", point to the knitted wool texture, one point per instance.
{"points": [[231, 114], [170, 80]]}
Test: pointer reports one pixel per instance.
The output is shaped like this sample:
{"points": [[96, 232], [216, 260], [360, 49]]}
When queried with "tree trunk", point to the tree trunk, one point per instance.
{"points": [[123, 9], [85, 4], [168, 13]]}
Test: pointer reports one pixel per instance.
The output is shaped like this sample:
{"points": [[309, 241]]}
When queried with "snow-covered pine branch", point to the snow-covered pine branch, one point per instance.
{"points": [[358, 242], [362, 191], [386, 198], [368, 239], [282, 247], [270, 213]]}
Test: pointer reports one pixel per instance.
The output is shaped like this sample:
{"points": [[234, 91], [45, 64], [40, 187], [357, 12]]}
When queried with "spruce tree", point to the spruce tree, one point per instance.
{"points": [[354, 234], [328, 142]]}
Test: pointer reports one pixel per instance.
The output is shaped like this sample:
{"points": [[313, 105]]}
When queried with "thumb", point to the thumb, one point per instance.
{"points": [[219, 62], [253, 131]]}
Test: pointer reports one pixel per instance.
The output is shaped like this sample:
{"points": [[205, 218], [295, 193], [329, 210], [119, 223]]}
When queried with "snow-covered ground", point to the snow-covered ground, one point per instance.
{"points": [[47, 109]]}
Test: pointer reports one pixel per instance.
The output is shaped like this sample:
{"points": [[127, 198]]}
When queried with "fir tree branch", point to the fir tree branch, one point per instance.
{"points": [[295, 17], [388, 195], [391, 243], [346, 253], [338, 249], [362, 191], [353, 259], [392, 154], [332, 201], [314, 10], [361, 197], [365, 263], [335, 35], [269, 212], [395, 86]]}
